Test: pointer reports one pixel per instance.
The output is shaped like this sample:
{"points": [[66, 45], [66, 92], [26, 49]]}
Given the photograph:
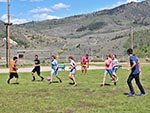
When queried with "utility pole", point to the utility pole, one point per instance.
{"points": [[8, 35], [131, 30]]}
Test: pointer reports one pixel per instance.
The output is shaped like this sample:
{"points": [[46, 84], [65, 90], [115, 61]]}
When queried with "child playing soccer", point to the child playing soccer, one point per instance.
{"points": [[37, 69], [72, 70], [13, 71], [54, 65]]}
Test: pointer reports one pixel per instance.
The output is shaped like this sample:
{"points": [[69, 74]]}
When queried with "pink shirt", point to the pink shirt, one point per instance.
{"points": [[108, 64], [84, 60]]}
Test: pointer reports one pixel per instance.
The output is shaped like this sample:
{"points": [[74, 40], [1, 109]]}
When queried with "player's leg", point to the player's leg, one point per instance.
{"points": [[57, 76], [104, 78], [33, 71], [129, 82], [137, 79], [51, 76], [71, 76], [16, 78], [39, 73], [74, 80], [115, 75], [10, 77], [83, 69]]}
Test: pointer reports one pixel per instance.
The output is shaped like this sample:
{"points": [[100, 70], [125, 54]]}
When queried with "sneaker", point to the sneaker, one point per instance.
{"points": [[8, 82], [142, 95], [102, 85], [75, 84], [50, 82], [33, 80], [115, 83], [131, 94], [60, 81], [71, 83], [42, 79], [16, 83]]}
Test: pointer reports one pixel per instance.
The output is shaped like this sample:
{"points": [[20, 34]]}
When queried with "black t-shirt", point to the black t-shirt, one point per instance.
{"points": [[37, 61]]}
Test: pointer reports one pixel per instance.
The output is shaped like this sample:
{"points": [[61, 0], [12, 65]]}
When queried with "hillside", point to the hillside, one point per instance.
{"points": [[95, 33]]}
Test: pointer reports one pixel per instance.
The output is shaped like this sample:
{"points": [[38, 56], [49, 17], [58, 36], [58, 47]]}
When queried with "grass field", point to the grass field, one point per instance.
{"points": [[87, 97]]}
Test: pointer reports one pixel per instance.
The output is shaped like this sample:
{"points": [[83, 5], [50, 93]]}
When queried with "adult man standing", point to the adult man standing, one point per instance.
{"points": [[84, 64], [135, 72]]}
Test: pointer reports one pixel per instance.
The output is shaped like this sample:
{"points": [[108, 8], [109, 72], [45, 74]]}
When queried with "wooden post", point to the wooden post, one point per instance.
{"points": [[8, 31], [131, 29]]}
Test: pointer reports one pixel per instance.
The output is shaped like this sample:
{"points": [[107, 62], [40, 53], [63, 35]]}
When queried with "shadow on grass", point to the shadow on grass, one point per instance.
{"points": [[55, 81], [106, 84], [15, 83], [125, 93]]}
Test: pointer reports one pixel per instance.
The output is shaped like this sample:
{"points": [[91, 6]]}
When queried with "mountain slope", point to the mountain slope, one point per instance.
{"points": [[95, 33]]}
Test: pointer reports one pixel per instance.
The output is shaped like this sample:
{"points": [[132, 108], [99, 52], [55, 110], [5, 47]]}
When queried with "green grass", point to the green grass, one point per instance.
{"points": [[87, 97]]}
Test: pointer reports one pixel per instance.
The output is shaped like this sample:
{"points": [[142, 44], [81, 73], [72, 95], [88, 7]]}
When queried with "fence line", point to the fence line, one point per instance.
{"points": [[27, 56]]}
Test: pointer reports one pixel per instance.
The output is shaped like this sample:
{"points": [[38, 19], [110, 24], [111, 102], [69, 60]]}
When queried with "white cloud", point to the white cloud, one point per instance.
{"points": [[44, 16], [39, 9], [128, 1], [3, 0], [18, 21], [60, 6], [13, 20], [4, 17], [119, 3]]}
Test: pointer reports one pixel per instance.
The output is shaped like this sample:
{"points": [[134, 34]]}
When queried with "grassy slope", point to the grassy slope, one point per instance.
{"points": [[141, 42], [87, 97]]}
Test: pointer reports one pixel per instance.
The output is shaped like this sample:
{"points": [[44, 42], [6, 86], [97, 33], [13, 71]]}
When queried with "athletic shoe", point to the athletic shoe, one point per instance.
{"points": [[115, 83], [42, 79], [75, 84], [16, 83], [50, 82], [102, 84], [71, 83], [33, 80], [131, 94], [60, 81], [142, 95], [8, 82]]}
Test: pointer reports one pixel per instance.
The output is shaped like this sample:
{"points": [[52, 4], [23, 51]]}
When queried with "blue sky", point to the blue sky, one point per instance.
{"points": [[22, 11]]}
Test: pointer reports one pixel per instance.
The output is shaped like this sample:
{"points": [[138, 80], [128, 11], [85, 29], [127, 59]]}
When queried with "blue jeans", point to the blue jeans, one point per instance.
{"points": [[137, 80]]}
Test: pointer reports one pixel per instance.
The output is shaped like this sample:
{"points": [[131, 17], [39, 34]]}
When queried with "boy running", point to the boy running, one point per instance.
{"points": [[37, 68], [135, 74], [13, 71]]}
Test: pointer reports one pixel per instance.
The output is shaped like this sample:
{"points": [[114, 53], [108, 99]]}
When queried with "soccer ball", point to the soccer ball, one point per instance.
{"points": [[48, 78]]}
